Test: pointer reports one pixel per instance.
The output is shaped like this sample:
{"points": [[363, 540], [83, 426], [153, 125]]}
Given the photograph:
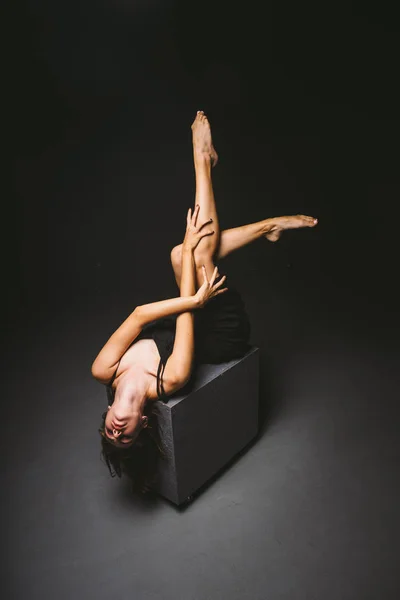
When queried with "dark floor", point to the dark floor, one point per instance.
{"points": [[104, 180]]}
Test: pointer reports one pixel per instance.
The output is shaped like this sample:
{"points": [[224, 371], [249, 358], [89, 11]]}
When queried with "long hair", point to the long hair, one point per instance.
{"points": [[139, 461]]}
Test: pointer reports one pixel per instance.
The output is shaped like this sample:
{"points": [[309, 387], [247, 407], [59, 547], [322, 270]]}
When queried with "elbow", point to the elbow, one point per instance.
{"points": [[139, 316], [177, 382], [99, 372], [182, 377]]}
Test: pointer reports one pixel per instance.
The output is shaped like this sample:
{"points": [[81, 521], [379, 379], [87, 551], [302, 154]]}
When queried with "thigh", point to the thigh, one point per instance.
{"points": [[208, 262]]}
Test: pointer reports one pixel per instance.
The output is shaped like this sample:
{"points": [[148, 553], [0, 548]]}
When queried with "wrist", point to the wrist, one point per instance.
{"points": [[187, 250], [196, 302]]}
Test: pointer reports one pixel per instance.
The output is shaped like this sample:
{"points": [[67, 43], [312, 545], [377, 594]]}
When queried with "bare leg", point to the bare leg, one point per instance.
{"points": [[233, 239], [223, 243], [271, 229], [205, 157]]}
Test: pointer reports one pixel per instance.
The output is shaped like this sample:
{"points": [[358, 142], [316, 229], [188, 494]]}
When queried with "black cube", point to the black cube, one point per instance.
{"points": [[205, 424]]}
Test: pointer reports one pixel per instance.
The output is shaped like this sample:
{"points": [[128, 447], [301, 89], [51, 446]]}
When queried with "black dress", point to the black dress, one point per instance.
{"points": [[221, 332]]}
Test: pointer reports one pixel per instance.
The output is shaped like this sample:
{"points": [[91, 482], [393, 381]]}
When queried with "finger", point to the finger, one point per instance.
{"points": [[213, 276], [220, 282], [204, 274], [204, 233], [205, 223], [221, 291], [189, 216], [195, 214]]}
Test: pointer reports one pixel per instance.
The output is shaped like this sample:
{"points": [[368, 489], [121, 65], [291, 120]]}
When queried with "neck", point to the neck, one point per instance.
{"points": [[135, 395]]}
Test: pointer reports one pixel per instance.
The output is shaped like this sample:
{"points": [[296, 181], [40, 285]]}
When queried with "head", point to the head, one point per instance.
{"points": [[122, 427], [131, 445], [125, 416]]}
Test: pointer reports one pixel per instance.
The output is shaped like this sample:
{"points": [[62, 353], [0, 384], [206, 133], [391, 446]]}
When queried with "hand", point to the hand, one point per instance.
{"points": [[208, 290], [193, 233]]}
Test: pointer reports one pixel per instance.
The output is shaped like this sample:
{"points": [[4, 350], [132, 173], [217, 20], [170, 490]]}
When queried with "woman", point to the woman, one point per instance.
{"points": [[152, 354]]}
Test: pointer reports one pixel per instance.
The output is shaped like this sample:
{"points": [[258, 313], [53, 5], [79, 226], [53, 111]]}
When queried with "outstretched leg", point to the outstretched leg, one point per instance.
{"points": [[205, 157], [221, 244], [237, 237]]}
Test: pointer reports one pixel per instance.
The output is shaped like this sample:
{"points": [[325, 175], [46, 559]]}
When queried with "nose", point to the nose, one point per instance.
{"points": [[116, 433]]}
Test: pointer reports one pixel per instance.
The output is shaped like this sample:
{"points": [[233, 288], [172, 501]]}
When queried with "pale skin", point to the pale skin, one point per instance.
{"points": [[195, 273]]}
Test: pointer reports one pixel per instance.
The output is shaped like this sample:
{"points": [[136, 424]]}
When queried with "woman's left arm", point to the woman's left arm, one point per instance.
{"points": [[179, 365]]}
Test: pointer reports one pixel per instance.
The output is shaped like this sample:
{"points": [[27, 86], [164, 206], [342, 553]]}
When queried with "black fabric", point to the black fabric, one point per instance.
{"points": [[222, 331], [163, 333]]}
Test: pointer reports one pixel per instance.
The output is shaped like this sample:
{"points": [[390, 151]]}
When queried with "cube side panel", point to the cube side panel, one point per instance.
{"points": [[215, 423], [165, 481]]}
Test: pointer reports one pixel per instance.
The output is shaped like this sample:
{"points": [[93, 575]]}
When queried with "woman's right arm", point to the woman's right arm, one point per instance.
{"points": [[106, 362]]}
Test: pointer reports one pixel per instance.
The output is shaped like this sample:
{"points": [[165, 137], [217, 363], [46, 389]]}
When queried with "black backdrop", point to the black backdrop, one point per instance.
{"points": [[303, 99]]}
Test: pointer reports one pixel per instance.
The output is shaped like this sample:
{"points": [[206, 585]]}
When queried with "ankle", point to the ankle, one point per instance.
{"points": [[268, 225], [201, 159]]}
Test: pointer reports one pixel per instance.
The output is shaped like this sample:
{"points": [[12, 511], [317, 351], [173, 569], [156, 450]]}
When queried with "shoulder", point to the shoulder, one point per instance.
{"points": [[168, 383]]}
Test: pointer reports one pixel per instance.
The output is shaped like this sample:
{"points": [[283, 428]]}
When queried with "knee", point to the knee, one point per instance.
{"points": [[201, 255], [204, 253], [176, 256]]}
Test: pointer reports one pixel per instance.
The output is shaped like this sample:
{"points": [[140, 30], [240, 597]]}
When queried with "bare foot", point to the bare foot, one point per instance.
{"points": [[202, 142], [278, 224]]}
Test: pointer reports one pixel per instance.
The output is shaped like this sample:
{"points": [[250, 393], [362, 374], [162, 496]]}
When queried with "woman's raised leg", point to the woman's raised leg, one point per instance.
{"points": [[205, 157], [221, 244]]}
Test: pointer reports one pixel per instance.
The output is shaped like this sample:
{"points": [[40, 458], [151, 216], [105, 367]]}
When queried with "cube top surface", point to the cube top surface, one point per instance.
{"points": [[204, 374]]}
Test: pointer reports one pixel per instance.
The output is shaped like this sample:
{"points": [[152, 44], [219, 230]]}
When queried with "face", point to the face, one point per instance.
{"points": [[123, 427]]}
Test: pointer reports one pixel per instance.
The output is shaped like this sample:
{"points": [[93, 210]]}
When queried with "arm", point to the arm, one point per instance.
{"points": [[179, 365], [107, 360]]}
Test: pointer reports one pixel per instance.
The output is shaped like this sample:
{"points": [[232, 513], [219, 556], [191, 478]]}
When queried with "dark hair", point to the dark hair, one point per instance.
{"points": [[139, 461]]}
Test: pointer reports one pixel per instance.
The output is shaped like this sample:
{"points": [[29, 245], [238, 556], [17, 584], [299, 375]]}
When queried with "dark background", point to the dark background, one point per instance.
{"points": [[303, 99]]}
